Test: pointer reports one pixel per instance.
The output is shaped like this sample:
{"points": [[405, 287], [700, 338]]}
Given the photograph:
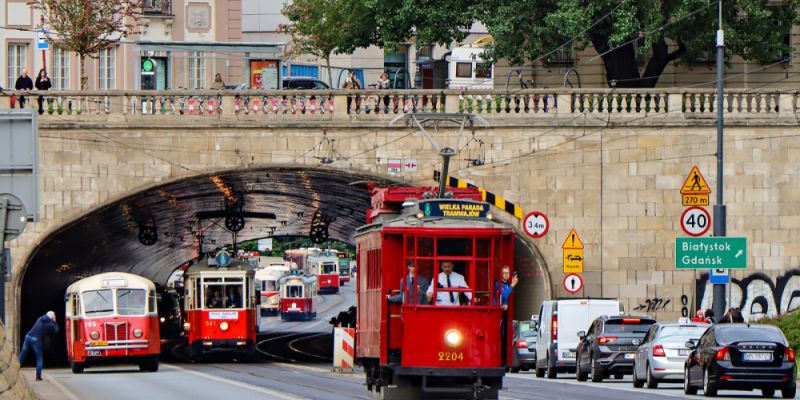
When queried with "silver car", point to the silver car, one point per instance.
{"points": [[662, 353]]}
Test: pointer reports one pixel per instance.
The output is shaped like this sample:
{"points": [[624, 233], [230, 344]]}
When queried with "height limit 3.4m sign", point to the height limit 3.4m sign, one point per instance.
{"points": [[536, 224], [695, 221]]}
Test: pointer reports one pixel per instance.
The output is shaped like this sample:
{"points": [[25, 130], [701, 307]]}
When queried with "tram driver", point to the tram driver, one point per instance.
{"points": [[215, 300], [449, 279]]}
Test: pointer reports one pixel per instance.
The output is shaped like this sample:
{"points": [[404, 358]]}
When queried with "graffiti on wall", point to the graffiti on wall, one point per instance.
{"points": [[757, 295], [653, 305]]}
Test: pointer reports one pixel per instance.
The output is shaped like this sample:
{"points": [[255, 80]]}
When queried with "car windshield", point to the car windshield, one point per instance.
{"points": [[628, 325], [741, 333], [680, 334], [98, 303]]}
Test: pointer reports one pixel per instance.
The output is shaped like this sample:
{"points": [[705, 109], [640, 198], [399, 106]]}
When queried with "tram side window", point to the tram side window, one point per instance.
{"points": [[131, 301], [151, 306], [98, 303]]}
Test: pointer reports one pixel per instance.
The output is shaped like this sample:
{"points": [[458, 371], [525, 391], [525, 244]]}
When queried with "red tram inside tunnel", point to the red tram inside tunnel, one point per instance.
{"points": [[450, 340]]}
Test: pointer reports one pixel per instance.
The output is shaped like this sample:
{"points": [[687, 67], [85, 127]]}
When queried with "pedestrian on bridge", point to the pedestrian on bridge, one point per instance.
{"points": [[34, 339]]}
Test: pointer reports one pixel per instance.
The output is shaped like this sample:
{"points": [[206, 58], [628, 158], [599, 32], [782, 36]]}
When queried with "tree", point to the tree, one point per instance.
{"points": [[86, 27], [324, 27], [619, 30]]}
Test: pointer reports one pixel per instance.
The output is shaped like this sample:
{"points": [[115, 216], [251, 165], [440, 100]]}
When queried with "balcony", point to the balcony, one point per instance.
{"points": [[157, 7]]}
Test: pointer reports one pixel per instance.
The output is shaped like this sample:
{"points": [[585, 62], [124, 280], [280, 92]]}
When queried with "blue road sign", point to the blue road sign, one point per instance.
{"points": [[223, 259], [41, 40], [719, 276]]}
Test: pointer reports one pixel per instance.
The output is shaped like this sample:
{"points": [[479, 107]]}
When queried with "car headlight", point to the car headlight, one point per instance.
{"points": [[453, 337], [137, 333], [95, 335], [223, 326]]}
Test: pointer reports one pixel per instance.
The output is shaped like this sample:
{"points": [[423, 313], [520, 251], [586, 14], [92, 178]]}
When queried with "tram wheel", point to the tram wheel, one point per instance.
{"points": [[77, 367]]}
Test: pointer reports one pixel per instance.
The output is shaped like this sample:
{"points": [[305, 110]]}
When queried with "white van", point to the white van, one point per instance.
{"points": [[559, 324]]}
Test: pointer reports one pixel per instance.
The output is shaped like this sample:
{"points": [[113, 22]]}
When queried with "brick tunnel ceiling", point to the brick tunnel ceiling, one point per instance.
{"points": [[108, 238]]}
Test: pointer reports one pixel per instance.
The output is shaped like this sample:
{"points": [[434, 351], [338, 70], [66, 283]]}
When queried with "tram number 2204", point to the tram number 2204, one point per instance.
{"points": [[450, 356]]}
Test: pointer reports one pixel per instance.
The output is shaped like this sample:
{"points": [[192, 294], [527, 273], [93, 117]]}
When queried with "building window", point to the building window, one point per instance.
{"points": [[106, 73], [197, 70], [60, 69], [562, 56], [463, 70], [16, 62]]}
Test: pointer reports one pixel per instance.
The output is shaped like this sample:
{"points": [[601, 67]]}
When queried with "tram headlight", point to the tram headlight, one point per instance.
{"points": [[294, 305], [223, 326], [137, 333], [163, 319], [420, 215], [95, 335], [186, 326], [489, 216], [453, 337]]}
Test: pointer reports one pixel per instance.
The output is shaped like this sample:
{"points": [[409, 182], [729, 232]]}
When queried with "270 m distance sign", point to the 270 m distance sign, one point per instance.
{"points": [[695, 221]]}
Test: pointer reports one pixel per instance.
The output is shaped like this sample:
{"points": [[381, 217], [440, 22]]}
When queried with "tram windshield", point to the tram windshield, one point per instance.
{"points": [[293, 291], [131, 301], [224, 295], [269, 286], [98, 303], [460, 270], [328, 268]]}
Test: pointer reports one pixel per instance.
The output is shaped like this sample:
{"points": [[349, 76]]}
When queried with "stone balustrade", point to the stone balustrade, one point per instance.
{"points": [[363, 104]]}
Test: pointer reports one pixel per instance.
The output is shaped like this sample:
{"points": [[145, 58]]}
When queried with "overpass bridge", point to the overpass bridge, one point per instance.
{"points": [[607, 163]]}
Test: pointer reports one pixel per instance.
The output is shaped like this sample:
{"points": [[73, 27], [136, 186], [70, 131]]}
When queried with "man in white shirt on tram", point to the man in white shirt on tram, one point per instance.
{"points": [[448, 279]]}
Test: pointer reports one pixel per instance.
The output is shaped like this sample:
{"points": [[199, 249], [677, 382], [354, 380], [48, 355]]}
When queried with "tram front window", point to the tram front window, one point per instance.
{"points": [[224, 296], [98, 303], [269, 286], [131, 301], [294, 291], [328, 268]]}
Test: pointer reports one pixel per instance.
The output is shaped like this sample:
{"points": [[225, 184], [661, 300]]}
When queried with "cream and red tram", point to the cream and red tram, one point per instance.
{"points": [[267, 278], [325, 265], [221, 307], [454, 347], [298, 296], [112, 318]]}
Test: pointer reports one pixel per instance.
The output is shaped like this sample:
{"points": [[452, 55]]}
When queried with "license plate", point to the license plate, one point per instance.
{"points": [[94, 353], [100, 344], [757, 356], [568, 354], [629, 356], [683, 352]]}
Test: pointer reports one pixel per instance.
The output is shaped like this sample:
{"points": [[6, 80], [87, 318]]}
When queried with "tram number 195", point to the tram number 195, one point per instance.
{"points": [[450, 356]]}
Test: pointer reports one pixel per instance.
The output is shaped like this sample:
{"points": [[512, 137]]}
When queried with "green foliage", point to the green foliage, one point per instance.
{"points": [[283, 243], [790, 325]]}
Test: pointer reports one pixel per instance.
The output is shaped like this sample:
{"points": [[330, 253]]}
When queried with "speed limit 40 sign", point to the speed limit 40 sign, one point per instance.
{"points": [[695, 221]]}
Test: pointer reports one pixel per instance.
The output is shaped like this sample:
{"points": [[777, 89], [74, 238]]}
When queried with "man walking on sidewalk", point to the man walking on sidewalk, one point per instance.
{"points": [[44, 326]]}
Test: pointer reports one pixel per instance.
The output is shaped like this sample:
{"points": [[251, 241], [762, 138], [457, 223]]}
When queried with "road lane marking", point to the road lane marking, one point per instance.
{"points": [[605, 386], [255, 388]]}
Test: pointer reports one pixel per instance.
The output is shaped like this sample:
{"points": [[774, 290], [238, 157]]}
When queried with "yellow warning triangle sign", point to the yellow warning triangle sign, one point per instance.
{"points": [[573, 241], [695, 183]]}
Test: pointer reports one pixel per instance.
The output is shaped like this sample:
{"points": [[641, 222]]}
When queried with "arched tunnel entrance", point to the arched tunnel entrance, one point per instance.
{"points": [[152, 232]]}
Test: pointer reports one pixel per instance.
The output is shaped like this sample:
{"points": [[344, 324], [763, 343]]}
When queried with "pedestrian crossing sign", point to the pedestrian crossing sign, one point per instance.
{"points": [[695, 183]]}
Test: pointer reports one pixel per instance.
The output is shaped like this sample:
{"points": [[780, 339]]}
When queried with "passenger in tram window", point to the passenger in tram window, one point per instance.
{"points": [[214, 301], [294, 291], [234, 298], [504, 287], [449, 279], [407, 284]]}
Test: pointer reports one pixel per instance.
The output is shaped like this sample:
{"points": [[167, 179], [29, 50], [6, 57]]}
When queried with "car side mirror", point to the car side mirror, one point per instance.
{"points": [[581, 334], [691, 345]]}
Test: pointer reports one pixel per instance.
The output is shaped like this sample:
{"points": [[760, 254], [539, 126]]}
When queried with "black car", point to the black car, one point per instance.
{"points": [[303, 83], [609, 346], [524, 346], [741, 357]]}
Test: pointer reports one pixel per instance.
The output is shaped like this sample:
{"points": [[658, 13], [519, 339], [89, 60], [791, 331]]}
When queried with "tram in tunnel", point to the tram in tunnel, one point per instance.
{"points": [[112, 318], [221, 307], [325, 266], [467, 335], [298, 296]]}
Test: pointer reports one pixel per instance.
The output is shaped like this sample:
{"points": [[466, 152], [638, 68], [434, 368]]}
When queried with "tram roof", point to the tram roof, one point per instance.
{"points": [[111, 280], [205, 266], [412, 221]]}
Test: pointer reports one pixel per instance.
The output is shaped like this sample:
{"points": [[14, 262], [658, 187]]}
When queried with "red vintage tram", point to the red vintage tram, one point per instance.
{"points": [[344, 266], [325, 265], [298, 296], [428, 350], [112, 317], [221, 308]]}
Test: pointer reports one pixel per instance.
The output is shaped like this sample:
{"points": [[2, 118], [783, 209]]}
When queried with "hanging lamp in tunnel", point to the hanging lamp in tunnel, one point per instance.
{"points": [[148, 234], [319, 227]]}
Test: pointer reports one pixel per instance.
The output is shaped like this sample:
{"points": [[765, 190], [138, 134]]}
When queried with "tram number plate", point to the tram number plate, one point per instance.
{"points": [[450, 356], [757, 356], [94, 353]]}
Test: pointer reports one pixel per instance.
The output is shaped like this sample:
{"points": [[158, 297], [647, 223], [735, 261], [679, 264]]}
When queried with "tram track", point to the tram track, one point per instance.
{"points": [[286, 348]]}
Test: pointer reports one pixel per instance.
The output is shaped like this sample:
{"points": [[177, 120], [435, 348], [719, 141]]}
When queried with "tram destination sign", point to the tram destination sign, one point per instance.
{"points": [[710, 252], [454, 208]]}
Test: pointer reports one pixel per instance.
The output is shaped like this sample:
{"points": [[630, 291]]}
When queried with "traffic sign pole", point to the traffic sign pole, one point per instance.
{"points": [[718, 300]]}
